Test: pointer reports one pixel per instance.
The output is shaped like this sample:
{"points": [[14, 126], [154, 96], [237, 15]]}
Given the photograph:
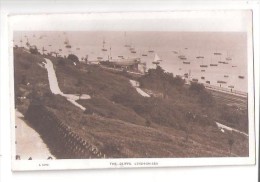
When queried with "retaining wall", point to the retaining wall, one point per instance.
{"points": [[63, 142]]}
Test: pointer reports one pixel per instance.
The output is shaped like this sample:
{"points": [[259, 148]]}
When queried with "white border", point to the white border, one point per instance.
{"points": [[214, 174], [106, 163]]}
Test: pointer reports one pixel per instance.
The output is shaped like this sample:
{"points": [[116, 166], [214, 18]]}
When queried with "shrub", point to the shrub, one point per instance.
{"points": [[206, 99], [234, 117], [33, 50], [197, 87], [73, 58], [61, 62]]}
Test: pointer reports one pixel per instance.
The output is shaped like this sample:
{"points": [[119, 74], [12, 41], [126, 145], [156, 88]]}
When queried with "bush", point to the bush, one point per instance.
{"points": [[206, 99], [178, 81], [197, 87], [73, 58], [61, 62], [33, 50], [234, 117], [159, 80]]}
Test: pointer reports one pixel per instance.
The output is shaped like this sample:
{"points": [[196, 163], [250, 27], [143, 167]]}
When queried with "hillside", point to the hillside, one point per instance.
{"points": [[118, 120]]}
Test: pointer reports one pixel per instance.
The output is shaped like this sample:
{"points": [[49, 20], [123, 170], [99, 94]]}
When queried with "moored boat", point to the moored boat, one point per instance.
{"points": [[203, 66], [213, 64], [186, 62], [220, 81]]}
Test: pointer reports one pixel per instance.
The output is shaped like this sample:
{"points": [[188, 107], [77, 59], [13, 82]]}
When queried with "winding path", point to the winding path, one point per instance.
{"points": [[136, 84], [55, 89], [29, 144]]}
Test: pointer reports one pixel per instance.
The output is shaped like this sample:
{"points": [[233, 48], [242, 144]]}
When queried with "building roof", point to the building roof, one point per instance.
{"points": [[126, 62]]}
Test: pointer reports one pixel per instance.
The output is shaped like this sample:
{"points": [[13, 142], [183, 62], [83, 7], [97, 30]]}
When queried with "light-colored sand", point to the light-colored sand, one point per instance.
{"points": [[28, 141]]}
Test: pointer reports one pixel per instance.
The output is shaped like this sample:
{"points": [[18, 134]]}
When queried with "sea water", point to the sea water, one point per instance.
{"points": [[164, 44]]}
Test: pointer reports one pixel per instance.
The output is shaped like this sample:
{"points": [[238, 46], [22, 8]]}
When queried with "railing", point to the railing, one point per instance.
{"points": [[226, 90]]}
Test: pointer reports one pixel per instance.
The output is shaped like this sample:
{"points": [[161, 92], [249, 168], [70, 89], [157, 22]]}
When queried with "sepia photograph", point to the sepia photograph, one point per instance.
{"points": [[148, 87]]}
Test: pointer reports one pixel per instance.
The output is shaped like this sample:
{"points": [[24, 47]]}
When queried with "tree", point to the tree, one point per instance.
{"points": [[148, 123], [33, 50], [24, 79], [80, 92], [61, 62], [197, 87], [79, 84], [189, 124], [231, 142], [178, 81], [73, 58]]}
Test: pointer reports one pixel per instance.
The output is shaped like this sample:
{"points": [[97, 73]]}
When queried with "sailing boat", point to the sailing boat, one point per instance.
{"points": [[186, 62], [200, 57], [144, 54], [221, 82], [156, 59], [132, 49], [21, 41], [27, 43], [126, 45], [212, 64], [203, 65], [220, 60], [43, 50], [225, 62], [67, 44], [104, 49], [66, 41], [228, 58], [150, 50], [181, 56]]}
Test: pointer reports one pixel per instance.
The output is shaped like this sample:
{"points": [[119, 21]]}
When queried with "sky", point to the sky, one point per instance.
{"points": [[213, 21], [224, 21]]}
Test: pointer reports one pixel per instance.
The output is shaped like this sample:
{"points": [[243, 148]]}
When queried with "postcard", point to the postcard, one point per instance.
{"points": [[126, 90]]}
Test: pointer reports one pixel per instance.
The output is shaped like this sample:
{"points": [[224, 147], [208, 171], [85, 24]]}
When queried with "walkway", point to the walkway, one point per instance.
{"points": [[55, 89], [29, 144], [230, 129], [136, 84]]}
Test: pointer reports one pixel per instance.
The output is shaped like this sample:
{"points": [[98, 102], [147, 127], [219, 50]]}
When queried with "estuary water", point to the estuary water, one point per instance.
{"points": [[231, 48]]}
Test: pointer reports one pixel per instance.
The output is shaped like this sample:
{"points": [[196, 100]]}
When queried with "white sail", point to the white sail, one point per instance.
{"points": [[156, 58]]}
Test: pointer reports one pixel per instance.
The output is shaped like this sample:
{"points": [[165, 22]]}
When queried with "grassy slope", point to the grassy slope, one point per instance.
{"points": [[28, 76], [113, 97], [118, 129]]}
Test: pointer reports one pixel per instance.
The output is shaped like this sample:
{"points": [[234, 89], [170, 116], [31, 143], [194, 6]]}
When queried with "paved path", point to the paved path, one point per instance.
{"points": [[230, 129], [28, 141], [136, 84], [55, 89]]}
